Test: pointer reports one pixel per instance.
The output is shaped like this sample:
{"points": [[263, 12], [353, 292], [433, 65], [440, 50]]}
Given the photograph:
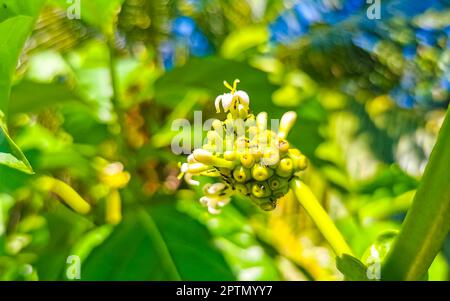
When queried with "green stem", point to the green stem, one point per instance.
{"points": [[428, 220], [116, 102], [320, 217], [118, 132]]}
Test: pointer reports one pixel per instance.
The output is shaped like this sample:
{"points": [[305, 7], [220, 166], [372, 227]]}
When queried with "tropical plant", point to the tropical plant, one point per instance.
{"points": [[90, 89]]}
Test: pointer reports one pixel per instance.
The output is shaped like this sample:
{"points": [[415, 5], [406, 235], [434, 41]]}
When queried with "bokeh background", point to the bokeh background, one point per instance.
{"points": [[94, 98]]}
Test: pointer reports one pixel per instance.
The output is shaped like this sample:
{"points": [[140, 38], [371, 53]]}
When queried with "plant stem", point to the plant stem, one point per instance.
{"points": [[320, 217], [118, 132], [113, 77], [428, 220]]}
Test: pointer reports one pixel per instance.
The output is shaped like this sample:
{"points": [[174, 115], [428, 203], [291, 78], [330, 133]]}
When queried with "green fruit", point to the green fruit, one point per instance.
{"points": [[285, 168], [261, 190], [247, 160], [241, 174], [261, 173]]}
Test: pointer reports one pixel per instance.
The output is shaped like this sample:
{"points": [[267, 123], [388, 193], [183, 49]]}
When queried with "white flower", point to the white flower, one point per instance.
{"points": [[215, 188], [216, 196], [226, 100], [214, 204], [188, 178], [243, 97], [191, 159]]}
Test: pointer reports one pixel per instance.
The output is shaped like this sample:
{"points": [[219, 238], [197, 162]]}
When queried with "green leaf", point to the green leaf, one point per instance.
{"points": [[16, 21], [64, 229], [12, 8], [158, 244], [352, 268], [426, 225], [236, 241], [10, 153], [31, 96], [243, 39], [98, 13]]}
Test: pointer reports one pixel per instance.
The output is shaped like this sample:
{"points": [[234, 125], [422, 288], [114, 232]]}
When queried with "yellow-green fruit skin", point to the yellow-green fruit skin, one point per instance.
{"points": [[265, 204], [247, 160], [241, 174], [242, 189], [261, 173], [261, 190], [285, 168]]}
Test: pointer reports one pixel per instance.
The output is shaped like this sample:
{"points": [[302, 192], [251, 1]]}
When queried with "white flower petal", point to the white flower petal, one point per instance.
{"points": [[196, 168], [216, 188], [213, 210], [223, 202], [184, 167], [286, 123], [191, 159], [244, 98], [203, 156], [188, 178], [217, 103], [204, 200], [227, 100]]}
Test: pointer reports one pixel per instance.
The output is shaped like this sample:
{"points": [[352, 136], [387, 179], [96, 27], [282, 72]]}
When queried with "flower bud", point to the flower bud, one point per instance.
{"points": [[230, 155], [261, 121], [191, 159], [286, 123], [203, 156], [197, 167], [206, 157], [215, 188]]}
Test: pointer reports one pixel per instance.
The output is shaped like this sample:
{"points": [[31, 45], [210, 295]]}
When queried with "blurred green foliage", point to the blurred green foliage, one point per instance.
{"points": [[90, 101]]}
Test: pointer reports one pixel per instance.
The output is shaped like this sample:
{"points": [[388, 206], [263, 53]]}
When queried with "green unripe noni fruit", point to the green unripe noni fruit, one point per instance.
{"points": [[265, 204], [242, 189], [261, 173], [247, 160], [241, 174], [285, 168], [261, 190]]}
